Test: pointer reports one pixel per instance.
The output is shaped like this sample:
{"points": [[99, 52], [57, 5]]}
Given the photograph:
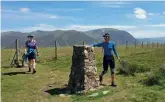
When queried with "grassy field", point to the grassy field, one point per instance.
{"points": [[53, 75]]}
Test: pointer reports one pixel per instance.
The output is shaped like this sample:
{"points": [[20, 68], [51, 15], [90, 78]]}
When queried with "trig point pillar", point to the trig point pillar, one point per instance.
{"points": [[83, 70]]}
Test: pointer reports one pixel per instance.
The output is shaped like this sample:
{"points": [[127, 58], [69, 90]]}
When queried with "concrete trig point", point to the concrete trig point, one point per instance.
{"points": [[83, 74]]}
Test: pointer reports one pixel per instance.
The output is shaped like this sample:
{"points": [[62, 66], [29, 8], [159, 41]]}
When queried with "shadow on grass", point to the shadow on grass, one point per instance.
{"points": [[58, 91], [5, 66], [14, 73]]}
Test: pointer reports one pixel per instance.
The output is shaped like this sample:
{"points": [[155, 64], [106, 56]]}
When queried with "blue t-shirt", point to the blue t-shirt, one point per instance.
{"points": [[31, 46], [108, 47]]}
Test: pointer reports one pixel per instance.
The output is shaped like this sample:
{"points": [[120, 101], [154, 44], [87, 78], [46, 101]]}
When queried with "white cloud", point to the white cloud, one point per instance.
{"points": [[24, 10], [150, 14], [90, 27], [24, 14], [153, 14], [27, 15], [141, 33], [53, 17], [143, 14], [66, 10], [164, 12], [113, 4], [157, 25], [44, 27], [140, 13]]}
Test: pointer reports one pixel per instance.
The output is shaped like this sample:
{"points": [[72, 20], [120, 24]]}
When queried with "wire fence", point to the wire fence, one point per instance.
{"points": [[53, 52]]}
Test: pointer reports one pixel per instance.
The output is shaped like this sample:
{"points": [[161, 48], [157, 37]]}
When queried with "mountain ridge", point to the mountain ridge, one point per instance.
{"points": [[67, 37]]}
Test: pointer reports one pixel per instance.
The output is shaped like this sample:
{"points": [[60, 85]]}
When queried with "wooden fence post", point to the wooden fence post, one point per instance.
{"points": [[135, 43], [147, 44], [17, 52], [142, 44], [157, 44], [126, 44], [55, 50], [83, 43]]}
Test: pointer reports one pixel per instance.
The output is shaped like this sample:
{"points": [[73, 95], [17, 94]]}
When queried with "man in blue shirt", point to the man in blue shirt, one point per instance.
{"points": [[108, 59]]}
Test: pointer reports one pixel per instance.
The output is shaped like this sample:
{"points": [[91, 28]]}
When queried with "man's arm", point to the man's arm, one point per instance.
{"points": [[115, 51], [98, 45], [37, 49]]}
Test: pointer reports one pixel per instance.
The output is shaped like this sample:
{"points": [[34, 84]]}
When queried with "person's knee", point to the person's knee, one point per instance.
{"points": [[112, 71], [33, 60]]}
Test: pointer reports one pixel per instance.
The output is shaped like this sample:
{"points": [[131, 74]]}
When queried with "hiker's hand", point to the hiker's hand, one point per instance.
{"points": [[93, 48], [86, 46], [25, 53], [37, 53], [118, 58]]}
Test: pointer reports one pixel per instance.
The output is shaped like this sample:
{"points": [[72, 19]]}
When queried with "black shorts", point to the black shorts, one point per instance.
{"points": [[31, 55], [108, 60]]}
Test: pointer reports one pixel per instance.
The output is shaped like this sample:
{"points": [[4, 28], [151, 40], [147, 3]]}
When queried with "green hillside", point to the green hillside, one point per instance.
{"points": [[144, 86]]}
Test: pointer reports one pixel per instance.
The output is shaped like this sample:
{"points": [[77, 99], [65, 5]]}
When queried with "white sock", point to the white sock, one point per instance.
{"points": [[34, 65]]}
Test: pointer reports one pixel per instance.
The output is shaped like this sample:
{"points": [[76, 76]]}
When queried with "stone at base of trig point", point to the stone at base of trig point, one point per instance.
{"points": [[83, 74], [62, 95], [94, 94], [105, 92], [97, 94], [26, 65]]}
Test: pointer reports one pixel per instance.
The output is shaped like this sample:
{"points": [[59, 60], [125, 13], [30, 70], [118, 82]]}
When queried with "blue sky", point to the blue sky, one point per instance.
{"points": [[141, 19]]}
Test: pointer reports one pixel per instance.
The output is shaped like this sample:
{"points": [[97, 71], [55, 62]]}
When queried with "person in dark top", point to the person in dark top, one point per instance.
{"points": [[108, 47], [31, 50]]}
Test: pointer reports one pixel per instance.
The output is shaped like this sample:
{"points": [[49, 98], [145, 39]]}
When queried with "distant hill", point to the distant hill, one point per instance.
{"points": [[119, 36], [47, 38], [8, 38], [66, 37], [159, 39]]}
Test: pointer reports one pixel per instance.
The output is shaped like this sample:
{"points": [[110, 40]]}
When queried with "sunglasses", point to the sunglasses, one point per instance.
{"points": [[106, 37]]}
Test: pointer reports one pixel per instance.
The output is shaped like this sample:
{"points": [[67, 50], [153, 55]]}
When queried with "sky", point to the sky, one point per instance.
{"points": [[143, 19]]}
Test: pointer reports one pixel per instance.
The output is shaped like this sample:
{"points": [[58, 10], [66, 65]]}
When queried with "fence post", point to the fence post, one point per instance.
{"points": [[55, 50], [83, 43], [157, 45], [17, 52], [126, 44], [147, 44], [135, 43], [142, 44]]}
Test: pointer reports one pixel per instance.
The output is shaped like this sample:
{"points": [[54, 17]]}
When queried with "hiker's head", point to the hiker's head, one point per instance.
{"points": [[30, 37], [106, 37]]}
